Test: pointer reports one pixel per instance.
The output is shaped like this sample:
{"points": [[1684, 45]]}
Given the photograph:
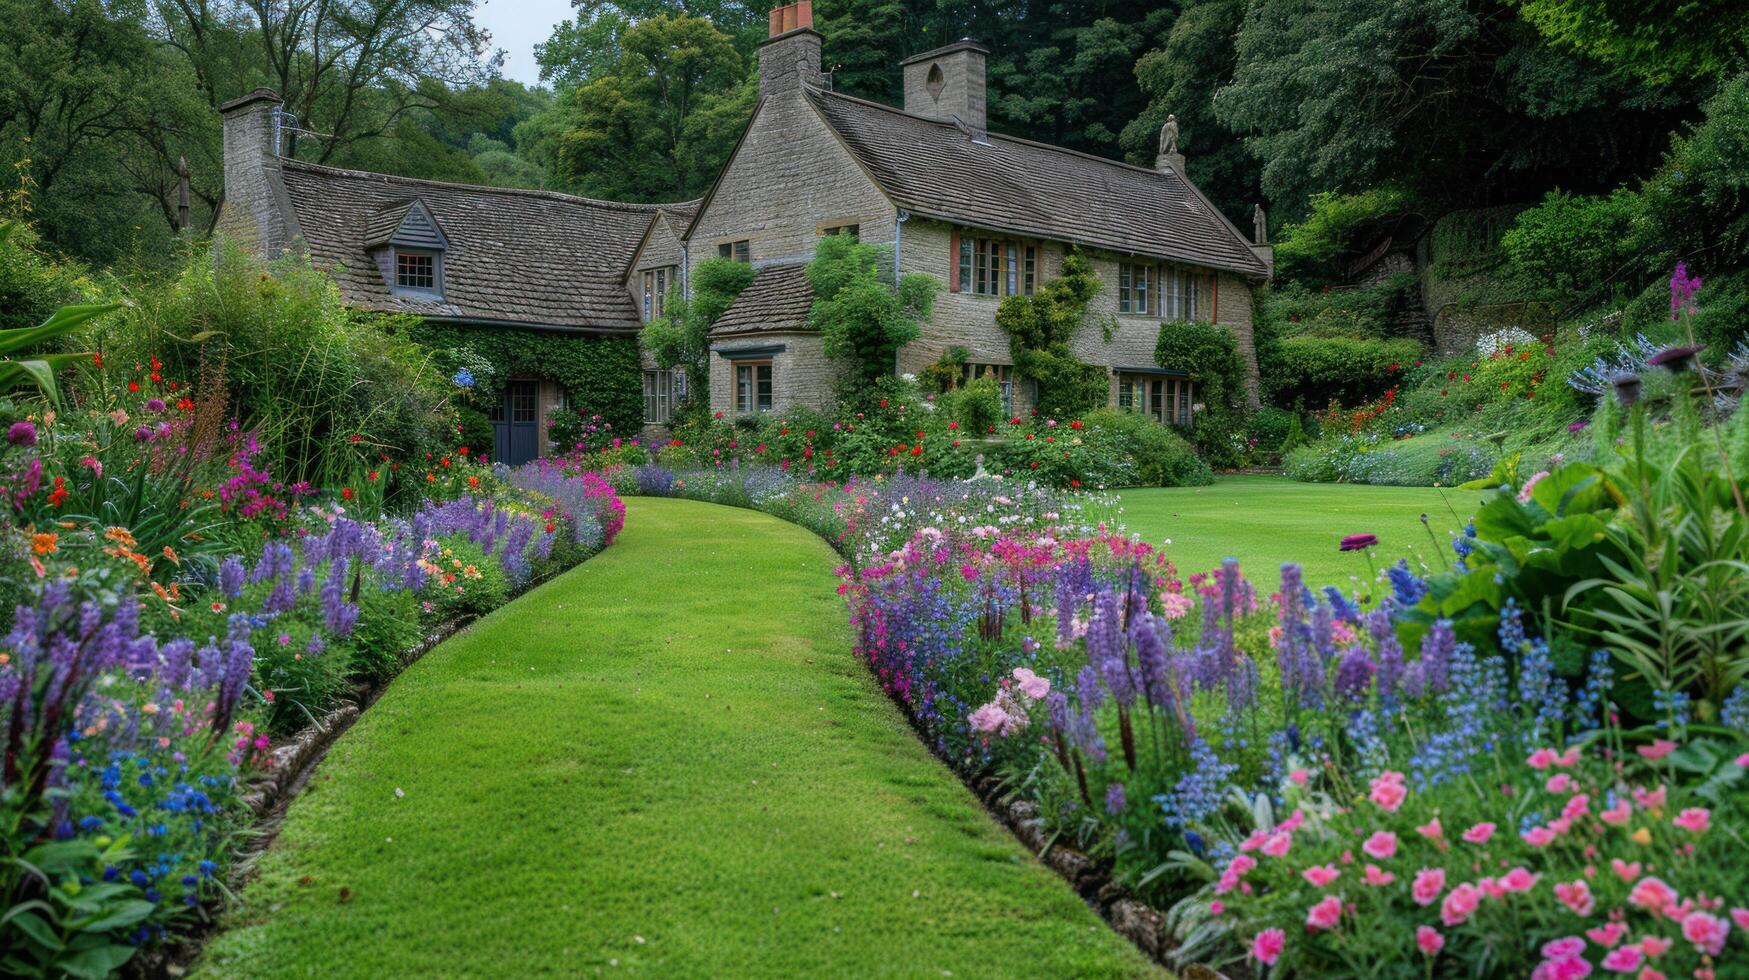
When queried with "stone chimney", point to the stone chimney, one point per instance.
{"points": [[790, 57], [256, 212], [948, 83]]}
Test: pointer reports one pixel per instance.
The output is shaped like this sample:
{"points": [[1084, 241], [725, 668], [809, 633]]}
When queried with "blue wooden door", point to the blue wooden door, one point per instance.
{"points": [[516, 424]]}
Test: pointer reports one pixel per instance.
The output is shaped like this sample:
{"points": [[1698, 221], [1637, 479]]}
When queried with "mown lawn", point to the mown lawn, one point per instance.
{"points": [[667, 761], [1265, 520]]}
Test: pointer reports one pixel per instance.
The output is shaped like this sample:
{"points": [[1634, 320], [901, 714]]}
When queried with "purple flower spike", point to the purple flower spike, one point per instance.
{"points": [[1358, 542]]}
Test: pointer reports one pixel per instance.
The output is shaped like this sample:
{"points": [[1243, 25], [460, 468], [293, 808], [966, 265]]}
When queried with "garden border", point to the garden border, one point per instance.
{"points": [[1128, 916]]}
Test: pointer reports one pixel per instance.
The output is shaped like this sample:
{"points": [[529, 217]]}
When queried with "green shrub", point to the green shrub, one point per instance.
{"points": [[1310, 372], [1040, 329], [1361, 311], [863, 316], [32, 286], [1569, 244], [1158, 456], [1311, 249], [388, 628], [977, 406]]}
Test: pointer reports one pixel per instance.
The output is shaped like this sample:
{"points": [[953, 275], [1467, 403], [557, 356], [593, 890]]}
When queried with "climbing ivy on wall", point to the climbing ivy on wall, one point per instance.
{"points": [[600, 374], [1040, 328]]}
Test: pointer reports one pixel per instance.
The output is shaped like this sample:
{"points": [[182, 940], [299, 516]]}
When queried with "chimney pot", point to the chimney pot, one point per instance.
{"points": [[790, 57]]}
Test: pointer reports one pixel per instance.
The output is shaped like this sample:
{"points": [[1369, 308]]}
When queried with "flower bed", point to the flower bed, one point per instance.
{"points": [[1326, 783], [175, 612]]}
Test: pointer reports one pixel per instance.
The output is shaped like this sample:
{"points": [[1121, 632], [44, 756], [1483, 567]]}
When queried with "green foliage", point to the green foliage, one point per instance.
{"points": [[37, 368], [79, 925], [601, 375], [1360, 311], [1312, 249], [945, 374], [681, 336], [1157, 455], [1309, 372], [861, 317], [32, 285], [1209, 355], [1040, 329], [658, 124], [1659, 40], [272, 346], [1569, 245], [977, 405]]}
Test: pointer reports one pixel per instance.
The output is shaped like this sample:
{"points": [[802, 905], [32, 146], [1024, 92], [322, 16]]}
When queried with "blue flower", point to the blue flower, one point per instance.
{"points": [[463, 378]]}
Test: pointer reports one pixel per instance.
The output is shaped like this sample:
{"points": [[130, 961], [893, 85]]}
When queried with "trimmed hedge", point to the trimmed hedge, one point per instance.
{"points": [[1310, 372]]}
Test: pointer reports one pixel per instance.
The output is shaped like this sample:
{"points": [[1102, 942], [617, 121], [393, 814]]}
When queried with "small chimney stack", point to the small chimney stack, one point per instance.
{"points": [[789, 58], [256, 212], [948, 84]]}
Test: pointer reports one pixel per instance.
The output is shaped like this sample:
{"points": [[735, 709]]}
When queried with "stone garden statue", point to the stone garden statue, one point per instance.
{"points": [[1259, 226], [1169, 136]]}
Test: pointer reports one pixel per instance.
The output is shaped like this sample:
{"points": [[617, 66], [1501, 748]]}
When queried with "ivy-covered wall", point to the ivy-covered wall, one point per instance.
{"points": [[600, 374]]}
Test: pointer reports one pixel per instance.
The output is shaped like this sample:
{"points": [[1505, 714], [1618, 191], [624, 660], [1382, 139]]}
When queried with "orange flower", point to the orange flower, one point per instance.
{"points": [[45, 544], [121, 536], [170, 553]]}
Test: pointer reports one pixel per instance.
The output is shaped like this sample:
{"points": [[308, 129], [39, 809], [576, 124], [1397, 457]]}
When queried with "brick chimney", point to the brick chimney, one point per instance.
{"points": [[790, 57], [256, 212], [948, 83]]}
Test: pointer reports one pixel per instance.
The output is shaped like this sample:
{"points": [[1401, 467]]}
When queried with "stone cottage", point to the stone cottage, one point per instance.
{"points": [[988, 215]]}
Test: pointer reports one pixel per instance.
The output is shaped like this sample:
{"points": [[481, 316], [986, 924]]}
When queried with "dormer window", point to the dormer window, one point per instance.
{"points": [[409, 247], [416, 270]]}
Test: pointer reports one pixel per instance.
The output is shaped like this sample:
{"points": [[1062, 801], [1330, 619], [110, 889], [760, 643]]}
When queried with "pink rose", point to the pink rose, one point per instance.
{"points": [[1651, 799], [1460, 904], [1429, 884], [1694, 819], [1706, 932], [1388, 791], [1217, 906], [1326, 914], [1321, 875], [1743, 760], [1741, 917], [1560, 782], [1618, 815], [1268, 945], [1300, 777], [1430, 940], [1576, 807], [1624, 960], [1480, 833], [1652, 895], [1031, 684], [1569, 758], [1575, 895], [1519, 879], [1381, 845], [1657, 750]]}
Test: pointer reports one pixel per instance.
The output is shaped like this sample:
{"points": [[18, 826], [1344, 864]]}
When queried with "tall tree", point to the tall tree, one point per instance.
{"points": [[1659, 40], [659, 124]]}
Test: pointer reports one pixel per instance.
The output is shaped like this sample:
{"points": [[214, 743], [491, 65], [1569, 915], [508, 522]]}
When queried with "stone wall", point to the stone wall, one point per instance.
{"points": [[800, 373], [661, 249], [256, 213]]}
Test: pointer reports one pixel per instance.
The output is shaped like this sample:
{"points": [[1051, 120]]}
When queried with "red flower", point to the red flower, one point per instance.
{"points": [[346, 493], [1075, 483], [355, 437], [371, 476], [462, 451], [133, 386], [916, 450], [1075, 424]]}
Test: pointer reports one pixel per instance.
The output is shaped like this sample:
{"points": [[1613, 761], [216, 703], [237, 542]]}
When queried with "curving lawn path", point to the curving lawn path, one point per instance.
{"points": [[666, 761]]}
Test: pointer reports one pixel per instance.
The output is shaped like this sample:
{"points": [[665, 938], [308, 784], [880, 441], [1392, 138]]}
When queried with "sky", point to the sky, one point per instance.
{"points": [[517, 26]]}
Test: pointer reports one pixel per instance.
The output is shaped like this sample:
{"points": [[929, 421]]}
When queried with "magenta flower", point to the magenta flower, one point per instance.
{"points": [[1381, 845], [1428, 885], [1268, 945], [1695, 819], [22, 433], [1358, 542], [1706, 932], [1326, 914], [1682, 291], [1430, 940]]}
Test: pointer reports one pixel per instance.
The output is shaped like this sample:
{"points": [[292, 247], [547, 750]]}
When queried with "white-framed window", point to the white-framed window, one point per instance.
{"points": [[1166, 400], [655, 293], [753, 387], [741, 251], [1004, 375], [659, 397], [1180, 293], [1135, 292], [417, 271]]}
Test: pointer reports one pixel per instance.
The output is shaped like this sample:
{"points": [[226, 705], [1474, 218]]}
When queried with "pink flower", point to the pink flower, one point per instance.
{"points": [[988, 718], [1460, 904], [1294, 821], [1321, 875], [1560, 949], [1623, 870], [1388, 791], [1647, 973], [1542, 758], [1624, 960], [1519, 879], [1268, 945], [1706, 932], [1480, 833], [1300, 777], [1278, 845], [1560, 782], [1694, 819], [1429, 884], [1326, 914], [1618, 815], [1254, 841], [1576, 807], [1651, 799], [1607, 935], [1031, 684], [1741, 917], [1430, 940], [1378, 878], [1652, 895], [1431, 829], [1575, 895], [1381, 845], [1569, 758], [1655, 946], [1743, 761], [1217, 906], [1657, 750], [1538, 836]]}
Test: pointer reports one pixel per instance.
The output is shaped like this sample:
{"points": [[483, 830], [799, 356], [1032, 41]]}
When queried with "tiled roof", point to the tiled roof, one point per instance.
{"points": [[934, 168], [778, 299], [515, 256]]}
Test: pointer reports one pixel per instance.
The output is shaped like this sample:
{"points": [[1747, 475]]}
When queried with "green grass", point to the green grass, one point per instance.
{"points": [[1266, 520], [667, 761]]}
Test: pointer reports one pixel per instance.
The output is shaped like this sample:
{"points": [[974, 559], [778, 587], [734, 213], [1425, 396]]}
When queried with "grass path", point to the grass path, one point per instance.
{"points": [[666, 762], [1266, 520]]}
